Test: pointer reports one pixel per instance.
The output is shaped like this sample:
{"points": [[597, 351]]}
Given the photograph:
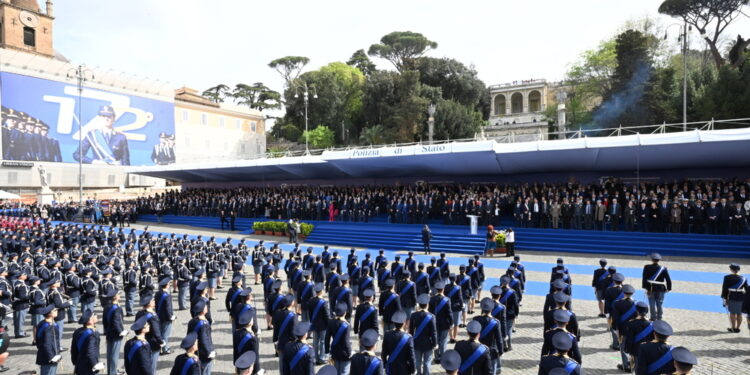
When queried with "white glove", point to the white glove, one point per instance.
{"points": [[173, 317], [212, 355], [56, 359], [124, 333], [98, 367]]}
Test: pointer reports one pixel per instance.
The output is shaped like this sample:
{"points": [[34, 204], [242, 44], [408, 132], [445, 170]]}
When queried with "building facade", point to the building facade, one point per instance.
{"points": [[518, 109], [208, 131]]}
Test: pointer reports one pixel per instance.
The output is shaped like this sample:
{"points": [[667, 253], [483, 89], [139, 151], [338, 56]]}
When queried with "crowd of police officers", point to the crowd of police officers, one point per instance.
{"points": [[59, 274]]}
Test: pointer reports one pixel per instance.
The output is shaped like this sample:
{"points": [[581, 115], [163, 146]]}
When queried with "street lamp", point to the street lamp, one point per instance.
{"points": [[431, 121], [81, 74], [306, 96], [684, 39]]}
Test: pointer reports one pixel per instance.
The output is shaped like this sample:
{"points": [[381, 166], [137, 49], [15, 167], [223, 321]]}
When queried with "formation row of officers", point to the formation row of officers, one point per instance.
{"points": [[419, 310]]}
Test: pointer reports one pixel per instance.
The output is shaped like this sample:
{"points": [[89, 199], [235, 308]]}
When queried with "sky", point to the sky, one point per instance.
{"points": [[201, 43]]}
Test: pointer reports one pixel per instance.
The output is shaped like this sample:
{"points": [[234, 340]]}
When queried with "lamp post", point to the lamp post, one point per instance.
{"points": [[684, 39], [306, 97], [81, 74], [431, 121]]}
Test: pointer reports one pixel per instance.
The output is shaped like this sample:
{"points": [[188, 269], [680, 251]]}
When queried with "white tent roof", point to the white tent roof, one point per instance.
{"points": [[5, 195]]}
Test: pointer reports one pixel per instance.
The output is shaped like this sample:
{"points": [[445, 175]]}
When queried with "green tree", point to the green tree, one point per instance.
{"points": [[591, 77], [709, 17], [318, 138], [728, 97], [393, 100], [456, 81], [290, 132], [218, 93], [454, 120], [374, 135], [361, 61], [401, 48], [256, 96], [290, 67], [339, 88]]}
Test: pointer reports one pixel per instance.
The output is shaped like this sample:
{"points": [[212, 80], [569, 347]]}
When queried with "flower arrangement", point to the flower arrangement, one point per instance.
{"points": [[271, 227], [500, 239]]}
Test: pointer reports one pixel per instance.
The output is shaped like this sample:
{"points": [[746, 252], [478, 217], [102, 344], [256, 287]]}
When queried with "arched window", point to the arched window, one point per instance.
{"points": [[500, 104], [516, 103], [535, 101], [29, 37]]}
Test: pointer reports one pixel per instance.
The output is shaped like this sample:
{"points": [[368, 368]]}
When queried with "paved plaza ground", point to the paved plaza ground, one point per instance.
{"points": [[704, 332]]}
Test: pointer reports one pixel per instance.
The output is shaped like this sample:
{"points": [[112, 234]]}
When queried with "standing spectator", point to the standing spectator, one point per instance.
{"points": [[510, 242], [675, 218], [601, 213], [427, 237], [615, 211], [555, 212]]}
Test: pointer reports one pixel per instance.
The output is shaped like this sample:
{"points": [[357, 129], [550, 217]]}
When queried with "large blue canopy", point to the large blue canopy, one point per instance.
{"points": [[693, 149]]}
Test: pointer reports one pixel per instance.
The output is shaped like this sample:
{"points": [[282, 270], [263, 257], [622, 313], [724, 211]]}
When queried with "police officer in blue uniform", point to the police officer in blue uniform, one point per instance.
{"points": [[636, 332], [317, 309], [450, 362], [366, 362], [398, 348], [655, 357], [612, 294], [388, 304], [155, 340], [84, 347], [114, 331], [298, 356], [366, 315], [165, 311], [623, 310], [511, 301], [657, 283], [423, 328], [283, 322], [733, 291], [440, 307], [491, 334], [47, 345], [138, 351], [202, 327], [600, 283], [560, 299], [561, 319], [337, 340], [244, 339], [475, 357], [561, 342], [187, 363]]}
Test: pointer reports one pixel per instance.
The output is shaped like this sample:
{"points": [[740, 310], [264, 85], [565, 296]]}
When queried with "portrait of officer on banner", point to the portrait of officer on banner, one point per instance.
{"points": [[103, 144]]}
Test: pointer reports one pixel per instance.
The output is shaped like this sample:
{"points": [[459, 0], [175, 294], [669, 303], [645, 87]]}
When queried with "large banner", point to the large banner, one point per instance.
{"points": [[40, 123]]}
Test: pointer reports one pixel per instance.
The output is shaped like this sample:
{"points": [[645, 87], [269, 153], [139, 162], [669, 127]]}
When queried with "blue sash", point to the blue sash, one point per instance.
{"points": [[513, 283], [571, 366], [472, 358], [235, 294], [342, 293], [490, 326], [317, 267], [384, 275], [506, 295], [316, 310], [244, 341], [739, 285], [421, 277], [286, 322], [365, 284], [642, 335], [445, 264], [397, 270], [464, 280], [443, 302], [162, 299], [619, 297], [624, 318], [367, 314], [82, 339], [300, 353], [453, 291], [305, 291], [656, 274], [373, 365], [354, 270], [602, 276], [40, 330], [339, 333], [276, 303], [134, 349], [244, 308], [198, 326], [269, 281], [335, 276], [471, 271], [497, 309], [663, 360], [389, 300], [422, 325], [434, 273], [111, 311], [401, 343], [406, 288], [189, 363]]}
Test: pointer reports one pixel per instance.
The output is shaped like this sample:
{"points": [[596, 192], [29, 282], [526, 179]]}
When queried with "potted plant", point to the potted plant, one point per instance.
{"points": [[305, 230], [259, 228], [279, 228], [500, 243]]}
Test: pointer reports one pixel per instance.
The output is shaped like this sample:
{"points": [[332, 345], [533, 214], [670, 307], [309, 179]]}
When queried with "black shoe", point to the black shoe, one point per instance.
{"points": [[462, 326], [614, 347], [3, 368], [509, 348], [514, 330], [63, 350], [470, 312], [452, 341], [736, 330], [20, 336], [624, 369], [602, 315], [731, 330]]}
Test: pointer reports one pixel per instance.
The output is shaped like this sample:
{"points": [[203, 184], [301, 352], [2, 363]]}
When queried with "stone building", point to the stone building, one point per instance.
{"points": [[518, 109]]}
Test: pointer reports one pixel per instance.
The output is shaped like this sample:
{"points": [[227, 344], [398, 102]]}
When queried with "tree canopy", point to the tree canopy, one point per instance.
{"points": [[290, 67], [401, 48]]}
